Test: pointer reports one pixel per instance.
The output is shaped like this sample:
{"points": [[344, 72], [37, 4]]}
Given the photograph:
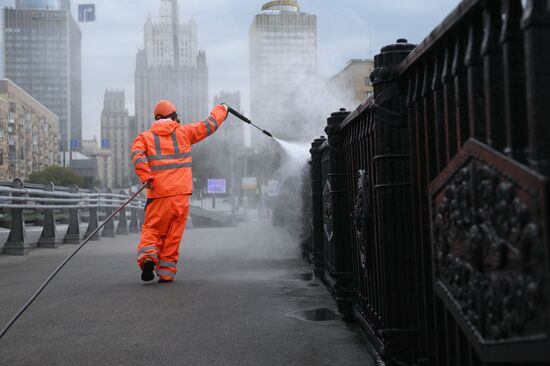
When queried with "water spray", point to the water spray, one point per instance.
{"points": [[247, 120]]}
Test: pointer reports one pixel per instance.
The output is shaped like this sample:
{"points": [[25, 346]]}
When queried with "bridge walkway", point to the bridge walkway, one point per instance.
{"points": [[230, 305]]}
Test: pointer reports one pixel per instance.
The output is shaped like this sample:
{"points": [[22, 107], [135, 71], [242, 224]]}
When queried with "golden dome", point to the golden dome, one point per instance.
{"points": [[279, 3]]}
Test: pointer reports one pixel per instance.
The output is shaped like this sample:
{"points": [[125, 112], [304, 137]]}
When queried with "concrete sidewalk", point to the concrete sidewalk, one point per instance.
{"points": [[230, 305]]}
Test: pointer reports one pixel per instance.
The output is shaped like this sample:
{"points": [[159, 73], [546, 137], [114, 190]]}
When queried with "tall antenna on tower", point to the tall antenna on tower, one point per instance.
{"points": [[370, 40], [175, 31]]}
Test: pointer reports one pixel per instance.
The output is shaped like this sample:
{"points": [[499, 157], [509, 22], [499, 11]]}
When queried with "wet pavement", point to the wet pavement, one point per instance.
{"points": [[241, 298]]}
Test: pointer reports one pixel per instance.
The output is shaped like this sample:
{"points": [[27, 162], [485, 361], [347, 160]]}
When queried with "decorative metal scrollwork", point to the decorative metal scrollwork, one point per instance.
{"points": [[361, 216], [489, 252], [328, 223]]}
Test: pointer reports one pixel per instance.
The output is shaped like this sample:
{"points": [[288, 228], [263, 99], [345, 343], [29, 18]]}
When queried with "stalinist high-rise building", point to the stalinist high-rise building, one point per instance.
{"points": [[170, 66], [283, 52]]}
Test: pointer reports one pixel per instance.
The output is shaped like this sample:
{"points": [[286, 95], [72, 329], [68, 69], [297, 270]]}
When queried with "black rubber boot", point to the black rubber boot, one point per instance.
{"points": [[147, 273]]}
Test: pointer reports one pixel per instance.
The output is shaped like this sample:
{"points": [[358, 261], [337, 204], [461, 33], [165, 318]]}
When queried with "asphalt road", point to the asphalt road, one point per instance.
{"points": [[230, 305]]}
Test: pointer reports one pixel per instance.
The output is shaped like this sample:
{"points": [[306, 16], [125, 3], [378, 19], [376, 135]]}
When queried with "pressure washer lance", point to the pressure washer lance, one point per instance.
{"points": [[240, 116], [47, 282]]}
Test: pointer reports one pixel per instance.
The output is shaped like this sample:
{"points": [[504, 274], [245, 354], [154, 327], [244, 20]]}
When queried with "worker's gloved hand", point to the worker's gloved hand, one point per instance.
{"points": [[149, 184], [225, 106]]}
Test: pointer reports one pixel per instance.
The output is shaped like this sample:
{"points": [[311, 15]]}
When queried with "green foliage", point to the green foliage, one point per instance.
{"points": [[62, 177], [90, 182], [211, 160]]}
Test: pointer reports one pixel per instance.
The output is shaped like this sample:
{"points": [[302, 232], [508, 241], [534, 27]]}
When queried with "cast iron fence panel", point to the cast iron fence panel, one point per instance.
{"points": [[484, 217], [445, 189]]}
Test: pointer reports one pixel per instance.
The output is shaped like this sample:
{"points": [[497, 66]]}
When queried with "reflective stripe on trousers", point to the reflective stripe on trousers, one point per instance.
{"points": [[144, 256], [147, 248], [147, 252], [167, 264], [165, 273], [165, 220]]}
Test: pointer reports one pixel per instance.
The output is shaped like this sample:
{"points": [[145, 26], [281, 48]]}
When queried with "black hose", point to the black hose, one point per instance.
{"points": [[58, 269]]}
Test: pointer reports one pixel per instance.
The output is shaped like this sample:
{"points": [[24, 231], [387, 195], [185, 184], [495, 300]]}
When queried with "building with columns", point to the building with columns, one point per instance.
{"points": [[170, 66], [118, 131]]}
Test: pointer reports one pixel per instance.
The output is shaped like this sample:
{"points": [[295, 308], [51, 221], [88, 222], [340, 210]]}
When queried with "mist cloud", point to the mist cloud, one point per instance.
{"points": [[347, 29]]}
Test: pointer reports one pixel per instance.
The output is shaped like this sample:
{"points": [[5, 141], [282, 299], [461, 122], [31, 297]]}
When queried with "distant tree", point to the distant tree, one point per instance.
{"points": [[90, 182], [58, 175], [211, 159]]}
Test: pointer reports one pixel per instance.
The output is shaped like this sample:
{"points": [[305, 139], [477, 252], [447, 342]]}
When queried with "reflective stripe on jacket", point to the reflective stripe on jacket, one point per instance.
{"points": [[163, 153]]}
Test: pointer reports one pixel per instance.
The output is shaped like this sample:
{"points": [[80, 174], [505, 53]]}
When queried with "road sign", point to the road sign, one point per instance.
{"points": [[217, 186], [86, 13], [105, 143], [272, 189], [250, 182], [74, 143]]}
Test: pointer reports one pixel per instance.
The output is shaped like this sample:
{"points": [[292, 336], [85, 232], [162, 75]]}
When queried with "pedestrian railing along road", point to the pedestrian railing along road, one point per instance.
{"points": [[49, 202], [47, 205]]}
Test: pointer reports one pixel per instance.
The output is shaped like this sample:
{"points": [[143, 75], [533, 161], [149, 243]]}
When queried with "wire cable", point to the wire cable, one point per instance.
{"points": [[58, 269]]}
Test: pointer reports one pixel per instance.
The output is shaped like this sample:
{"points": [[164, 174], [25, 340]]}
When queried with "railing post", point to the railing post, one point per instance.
{"points": [[515, 101], [73, 232], [109, 229], [16, 241], [122, 228], [317, 250], [474, 69], [134, 224], [141, 216], [336, 212], [93, 222], [306, 211], [48, 237], [536, 26], [493, 82], [134, 221], [389, 166]]}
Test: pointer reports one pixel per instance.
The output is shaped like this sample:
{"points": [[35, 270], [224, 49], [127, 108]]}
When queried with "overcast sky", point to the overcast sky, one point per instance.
{"points": [[346, 29]]}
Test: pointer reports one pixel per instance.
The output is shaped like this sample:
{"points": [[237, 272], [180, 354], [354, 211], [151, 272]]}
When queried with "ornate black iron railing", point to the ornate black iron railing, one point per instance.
{"points": [[428, 204]]}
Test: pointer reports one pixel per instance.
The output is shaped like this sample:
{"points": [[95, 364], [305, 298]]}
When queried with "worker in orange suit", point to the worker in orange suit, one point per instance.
{"points": [[162, 159]]}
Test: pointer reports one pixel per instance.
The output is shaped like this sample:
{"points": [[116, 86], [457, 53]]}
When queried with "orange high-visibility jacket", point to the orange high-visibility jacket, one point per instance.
{"points": [[163, 153]]}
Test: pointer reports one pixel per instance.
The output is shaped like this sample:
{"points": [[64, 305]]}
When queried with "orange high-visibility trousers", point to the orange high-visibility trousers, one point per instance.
{"points": [[161, 234]]}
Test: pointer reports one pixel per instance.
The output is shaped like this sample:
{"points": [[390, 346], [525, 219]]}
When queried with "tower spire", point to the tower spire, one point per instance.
{"points": [[175, 31], [165, 11]]}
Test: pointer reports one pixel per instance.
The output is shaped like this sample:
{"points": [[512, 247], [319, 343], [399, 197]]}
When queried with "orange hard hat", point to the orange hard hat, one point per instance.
{"points": [[164, 108]]}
